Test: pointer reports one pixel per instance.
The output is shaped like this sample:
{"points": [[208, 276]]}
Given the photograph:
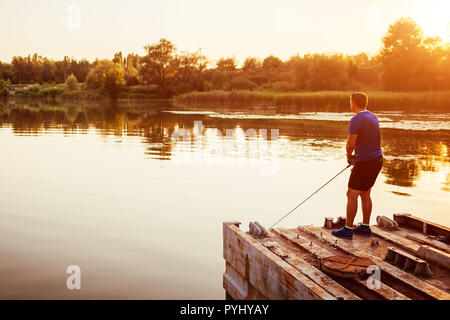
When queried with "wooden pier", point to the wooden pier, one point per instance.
{"points": [[412, 256]]}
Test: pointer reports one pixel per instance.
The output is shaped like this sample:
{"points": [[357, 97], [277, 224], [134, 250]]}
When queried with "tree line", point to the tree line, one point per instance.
{"points": [[407, 61]]}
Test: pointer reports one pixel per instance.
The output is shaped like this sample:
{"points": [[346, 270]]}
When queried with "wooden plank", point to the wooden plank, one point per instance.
{"points": [[423, 251], [384, 291], [406, 278], [399, 241], [309, 246], [434, 255], [405, 254], [425, 226], [313, 273], [238, 287], [265, 271], [234, 284], [422, 239]]}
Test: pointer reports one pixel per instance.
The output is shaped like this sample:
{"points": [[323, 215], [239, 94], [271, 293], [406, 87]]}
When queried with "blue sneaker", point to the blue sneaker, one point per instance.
{"points": [[362, 231], [343, 233]]}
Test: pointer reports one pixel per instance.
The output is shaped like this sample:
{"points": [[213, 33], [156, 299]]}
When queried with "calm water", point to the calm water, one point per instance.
{"points": [[115, 190]]}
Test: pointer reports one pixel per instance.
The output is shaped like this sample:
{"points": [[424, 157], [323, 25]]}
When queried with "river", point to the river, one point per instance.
{"points": [[135, 193]]}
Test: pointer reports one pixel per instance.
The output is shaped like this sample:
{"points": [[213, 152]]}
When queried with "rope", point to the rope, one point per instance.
{"points": [[308, 197]]}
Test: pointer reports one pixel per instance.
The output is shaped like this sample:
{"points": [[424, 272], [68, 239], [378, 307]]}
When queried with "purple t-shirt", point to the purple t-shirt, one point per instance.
{"points": [[368, 144]]}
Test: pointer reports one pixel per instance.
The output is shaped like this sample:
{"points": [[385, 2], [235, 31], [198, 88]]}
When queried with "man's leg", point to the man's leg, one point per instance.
{"points": [[366, 203], [352, 206]]}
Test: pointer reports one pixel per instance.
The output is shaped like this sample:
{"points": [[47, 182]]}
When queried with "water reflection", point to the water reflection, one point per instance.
{"points": [[227, 137]]}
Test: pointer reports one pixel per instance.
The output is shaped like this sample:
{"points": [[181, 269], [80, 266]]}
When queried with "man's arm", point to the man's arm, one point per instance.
{"points": [[351, 141]]}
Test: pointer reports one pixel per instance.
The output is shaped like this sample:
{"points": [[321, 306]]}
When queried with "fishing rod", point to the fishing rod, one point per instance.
{"points": [[309, 197]]}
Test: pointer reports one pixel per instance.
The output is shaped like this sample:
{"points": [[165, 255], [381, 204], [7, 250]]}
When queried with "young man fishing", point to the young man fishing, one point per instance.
{"points": [[364, 138]]}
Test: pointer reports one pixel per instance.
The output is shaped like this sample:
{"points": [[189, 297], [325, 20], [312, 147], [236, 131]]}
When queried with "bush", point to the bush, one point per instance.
{"points": [[132, 81], [328, 100], [112, 80], [241, 83], [51, 91], [71, 82], [281, 86], [94, 79], [34, 88], [4, 85], [151, 88]]}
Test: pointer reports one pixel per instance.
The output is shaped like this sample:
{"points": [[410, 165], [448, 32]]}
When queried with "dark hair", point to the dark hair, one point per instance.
{"points": [[360, 98]]}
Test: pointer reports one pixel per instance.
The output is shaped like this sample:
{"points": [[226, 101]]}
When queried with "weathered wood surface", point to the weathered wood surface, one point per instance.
{"points": [[285, 264], [408, 262], [399, 241], [423, 251], [422, 239], [400, 275], [266, 272], [437, 256], [313, 273], [305, 244], [384, 291], [238, 287], [425, 226]]}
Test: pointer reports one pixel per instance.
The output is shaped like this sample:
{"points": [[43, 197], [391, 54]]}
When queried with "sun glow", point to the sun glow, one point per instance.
{"points": [[434, 17]]}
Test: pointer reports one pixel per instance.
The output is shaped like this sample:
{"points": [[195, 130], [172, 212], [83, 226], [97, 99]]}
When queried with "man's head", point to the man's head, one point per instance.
{"points": [[358, 101]]}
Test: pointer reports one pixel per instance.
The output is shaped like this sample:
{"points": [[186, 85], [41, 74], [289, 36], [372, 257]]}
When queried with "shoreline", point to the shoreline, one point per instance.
{"points": [[280, 102], [328, 100]]}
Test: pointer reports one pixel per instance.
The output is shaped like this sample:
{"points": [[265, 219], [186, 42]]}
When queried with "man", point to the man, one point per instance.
{"points": [[363, 138]]}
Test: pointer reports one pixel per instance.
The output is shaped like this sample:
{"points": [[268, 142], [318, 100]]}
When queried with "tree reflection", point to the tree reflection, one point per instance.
{"points": [[401, 172], [407, 152]]}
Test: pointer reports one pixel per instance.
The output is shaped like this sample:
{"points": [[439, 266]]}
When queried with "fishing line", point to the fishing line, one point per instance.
{"points": [[309, 197]]}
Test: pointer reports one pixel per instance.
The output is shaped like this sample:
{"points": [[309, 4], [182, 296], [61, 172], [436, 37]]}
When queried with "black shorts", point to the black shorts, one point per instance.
{"points": [[365, 173]]}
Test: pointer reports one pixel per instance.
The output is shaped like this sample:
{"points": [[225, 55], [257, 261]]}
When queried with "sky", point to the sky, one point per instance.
{"points": [[221, 28]]}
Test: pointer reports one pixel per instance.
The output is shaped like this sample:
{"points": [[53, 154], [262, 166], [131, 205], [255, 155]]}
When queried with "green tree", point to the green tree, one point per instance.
{"points": [[327, 72], [5, 71], [189, 74], [4, 86], [94, 79], [407, 56], [71, 82], [47, 71], [20, 69], [226, 64], [61, 71], [251, 64], [131, 69], [241, 83], [80, 69], [299, 70], [159, 65], [272, 63], [112, 79], [118, 58]]}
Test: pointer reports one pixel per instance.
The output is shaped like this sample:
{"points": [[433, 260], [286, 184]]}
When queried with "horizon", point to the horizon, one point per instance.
{"points": [[84, 25]]}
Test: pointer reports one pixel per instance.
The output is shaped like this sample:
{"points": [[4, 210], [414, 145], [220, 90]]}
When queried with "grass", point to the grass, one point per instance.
{"points": [[284, 101], [62, 92], [328, 100]]}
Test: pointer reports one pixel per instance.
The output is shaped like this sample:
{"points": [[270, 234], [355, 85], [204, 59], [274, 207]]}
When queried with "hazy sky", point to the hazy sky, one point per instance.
{"points": [[220, 27]]}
